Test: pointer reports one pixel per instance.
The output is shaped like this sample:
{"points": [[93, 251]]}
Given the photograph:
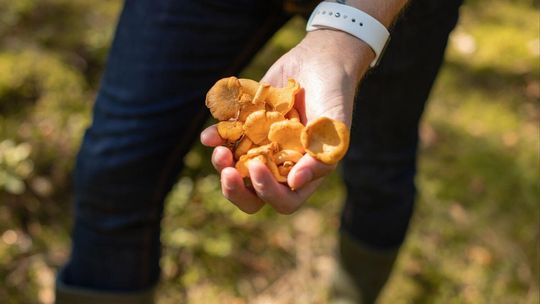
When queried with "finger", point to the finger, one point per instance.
{"points": [[307, 169], [222, 158], [210, 137], [233, 188], [280, 197], [308, 189]]}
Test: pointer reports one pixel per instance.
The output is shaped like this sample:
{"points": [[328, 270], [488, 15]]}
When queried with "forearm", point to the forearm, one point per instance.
{"points": [[354, 53], [384, 11]]}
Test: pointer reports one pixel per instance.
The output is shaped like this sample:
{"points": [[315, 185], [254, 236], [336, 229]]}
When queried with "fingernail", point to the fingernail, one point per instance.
{"points": [[302, 177]]}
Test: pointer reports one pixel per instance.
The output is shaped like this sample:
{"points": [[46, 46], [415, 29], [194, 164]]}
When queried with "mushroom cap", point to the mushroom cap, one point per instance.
{"points": [[293, 115], [262, 92], [223, 99], [287, 134], [230, 130], [262, 153], [242, 147], [249, 86], [249, 108], [326, 140], [285, 168], [282, 99], [241, 164], [275, 172], [268, 149], [284, 156], [258, 124]]}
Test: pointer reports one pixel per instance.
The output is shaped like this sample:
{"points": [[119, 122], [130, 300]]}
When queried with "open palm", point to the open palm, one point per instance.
{"points": [[328, 76]]}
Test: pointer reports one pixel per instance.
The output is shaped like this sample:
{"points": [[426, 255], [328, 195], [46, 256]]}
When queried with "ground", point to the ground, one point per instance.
{"points": [[474, 236]]}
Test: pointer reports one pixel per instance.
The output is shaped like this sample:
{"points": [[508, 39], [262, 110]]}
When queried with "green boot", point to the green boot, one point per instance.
{"points": [[66, 294], [361, 272]]}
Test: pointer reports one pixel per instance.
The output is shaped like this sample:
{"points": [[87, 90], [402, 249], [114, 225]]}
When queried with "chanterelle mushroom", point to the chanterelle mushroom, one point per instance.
{"points": [[262, 153], [230, 130], [282, 99], [258, 123], [249, 86], [326, 140], [223, 99], [287, 134], [287, 156], [242, 147]]}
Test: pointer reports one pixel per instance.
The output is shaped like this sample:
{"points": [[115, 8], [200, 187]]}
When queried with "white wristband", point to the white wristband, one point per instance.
{"points": [[353, 21]]}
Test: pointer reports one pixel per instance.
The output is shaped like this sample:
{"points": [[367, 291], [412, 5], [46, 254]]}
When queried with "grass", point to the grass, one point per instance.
{"points": [[474, 236]]}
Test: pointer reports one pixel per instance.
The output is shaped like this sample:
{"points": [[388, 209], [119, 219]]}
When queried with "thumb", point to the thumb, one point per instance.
{"points": [[307, 169]]}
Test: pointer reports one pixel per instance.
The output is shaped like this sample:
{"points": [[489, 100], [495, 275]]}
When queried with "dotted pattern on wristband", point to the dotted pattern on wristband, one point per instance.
{"points": [[353, 21]]}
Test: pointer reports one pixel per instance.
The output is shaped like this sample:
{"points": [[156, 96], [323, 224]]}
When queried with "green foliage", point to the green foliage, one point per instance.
{"points": [[471, 237], [15, 166]]}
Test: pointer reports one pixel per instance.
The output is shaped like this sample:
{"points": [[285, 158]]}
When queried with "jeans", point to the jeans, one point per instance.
{"points": [[150, 109]]}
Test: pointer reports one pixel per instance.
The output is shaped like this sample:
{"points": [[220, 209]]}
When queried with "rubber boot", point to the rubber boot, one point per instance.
{"points": [[66, 294], [361, 272]]}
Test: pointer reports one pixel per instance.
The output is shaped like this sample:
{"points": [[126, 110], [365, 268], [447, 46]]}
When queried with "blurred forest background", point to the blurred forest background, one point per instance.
{"points": [[474, 238]]}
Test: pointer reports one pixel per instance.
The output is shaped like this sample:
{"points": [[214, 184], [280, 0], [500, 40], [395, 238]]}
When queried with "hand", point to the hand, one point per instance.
{"points": [[328, 65]]}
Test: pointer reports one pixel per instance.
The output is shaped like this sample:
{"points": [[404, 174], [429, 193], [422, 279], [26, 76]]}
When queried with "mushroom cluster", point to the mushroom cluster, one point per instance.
{"points": [[258, 121]]}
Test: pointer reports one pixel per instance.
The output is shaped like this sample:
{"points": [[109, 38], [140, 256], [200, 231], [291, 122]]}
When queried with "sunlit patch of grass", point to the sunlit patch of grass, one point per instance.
{"points": [[504, 34], [474, 235]]}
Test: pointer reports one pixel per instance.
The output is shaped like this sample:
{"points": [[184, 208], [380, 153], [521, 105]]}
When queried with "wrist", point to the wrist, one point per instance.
{"points": [[384, 11], [351, 53]]}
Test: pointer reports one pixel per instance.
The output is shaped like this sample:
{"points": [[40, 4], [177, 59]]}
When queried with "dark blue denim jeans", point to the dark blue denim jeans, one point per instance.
{"points": [[150, 109]]}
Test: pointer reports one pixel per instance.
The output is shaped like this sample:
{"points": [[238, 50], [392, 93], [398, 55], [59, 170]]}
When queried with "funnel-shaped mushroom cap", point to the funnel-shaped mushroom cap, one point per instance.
{"points": [[287, 134], [284, 156], [223, 99], [268, 149], [249, 86], [258, 124], [326, 140], [263, 153], [285, 168], [282, 99], [241, 164], [248, 108], [293, 115], [262, 92], [230, 130], [242, 147]]}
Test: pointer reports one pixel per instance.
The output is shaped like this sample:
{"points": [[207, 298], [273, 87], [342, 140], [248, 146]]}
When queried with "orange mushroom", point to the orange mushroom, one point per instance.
{"points": [[293, 115], [326, 140], [249, 108], [242, 147], [287, 134], [262, 153], [223, 99], [258, 124], [230, 131], [249, 86], [284, 156], [282, 99], [262, 92], [285, 168]]}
